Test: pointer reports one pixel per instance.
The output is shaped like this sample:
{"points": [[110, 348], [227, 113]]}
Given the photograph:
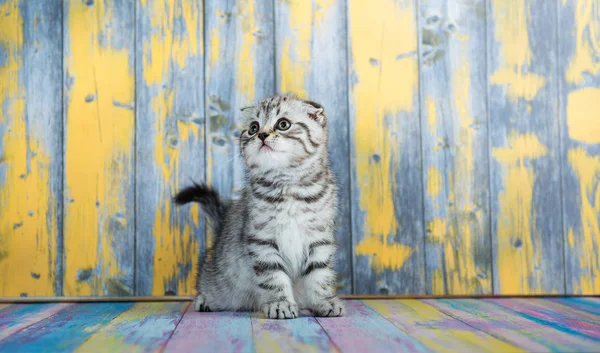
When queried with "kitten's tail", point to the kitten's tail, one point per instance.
{"points": [[209, 200]]}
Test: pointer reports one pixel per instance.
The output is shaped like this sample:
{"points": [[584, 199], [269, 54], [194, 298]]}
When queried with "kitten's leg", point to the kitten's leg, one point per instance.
{"points": [[200, 303], [274, 287], [316, 286]]}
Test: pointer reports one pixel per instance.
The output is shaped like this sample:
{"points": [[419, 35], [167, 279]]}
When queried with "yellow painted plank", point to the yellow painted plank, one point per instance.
{"points": [[455, 140], [387, 188], [525, 169], [30, 149], [99, 140], [170, 122], [579, 91]]}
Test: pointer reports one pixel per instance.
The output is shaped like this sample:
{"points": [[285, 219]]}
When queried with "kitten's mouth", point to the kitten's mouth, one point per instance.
{"points": [[265, 147]]}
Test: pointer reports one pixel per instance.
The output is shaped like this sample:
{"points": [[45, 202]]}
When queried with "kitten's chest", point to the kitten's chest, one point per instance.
{"points": [[293, 239], [293, 248]]}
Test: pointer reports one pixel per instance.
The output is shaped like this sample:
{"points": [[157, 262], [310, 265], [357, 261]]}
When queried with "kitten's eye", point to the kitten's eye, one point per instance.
{"points": [[253, 129], [283, 124]]}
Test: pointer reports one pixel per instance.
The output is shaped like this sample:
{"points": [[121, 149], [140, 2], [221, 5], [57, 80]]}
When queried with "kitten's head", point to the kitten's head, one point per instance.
{"points": [[282, 131]]}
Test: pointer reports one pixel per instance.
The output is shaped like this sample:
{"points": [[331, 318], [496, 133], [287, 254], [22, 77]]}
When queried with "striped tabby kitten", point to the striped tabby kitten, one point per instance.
{"points": [[274, 247]]}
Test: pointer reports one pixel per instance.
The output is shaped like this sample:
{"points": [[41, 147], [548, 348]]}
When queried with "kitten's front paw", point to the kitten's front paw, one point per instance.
{"points": [[280, 310], [331, 307], [200, 304]]}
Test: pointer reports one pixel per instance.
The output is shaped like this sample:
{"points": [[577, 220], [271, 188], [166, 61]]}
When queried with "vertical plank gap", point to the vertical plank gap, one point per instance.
{"points": [[559, 114], [349, 135], [423, 177], [489, 145]]}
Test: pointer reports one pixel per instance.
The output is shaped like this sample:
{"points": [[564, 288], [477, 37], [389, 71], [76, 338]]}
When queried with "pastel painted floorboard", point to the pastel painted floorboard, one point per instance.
{"points": [[19, 316], [437, 331], [407, 325], [304, 334], [556, 315], [212, 332], [514, 327]]}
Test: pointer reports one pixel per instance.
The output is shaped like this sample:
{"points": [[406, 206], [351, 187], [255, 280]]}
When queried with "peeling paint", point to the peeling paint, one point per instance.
{"points": [[586, 58], [382, 30], [98, 146], [512, 35], [171, 50], [28, 242], [587, 241], [296, 51], [583, 115], [516, 219]]}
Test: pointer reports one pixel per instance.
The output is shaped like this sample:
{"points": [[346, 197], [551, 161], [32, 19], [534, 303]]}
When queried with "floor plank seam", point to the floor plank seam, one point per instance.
{"points": [[175, 328], [249, 316], [328, 336]]}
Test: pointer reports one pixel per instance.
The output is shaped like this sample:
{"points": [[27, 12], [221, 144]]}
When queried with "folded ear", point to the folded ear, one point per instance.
{"points": [[246, 108], [315, 111]]}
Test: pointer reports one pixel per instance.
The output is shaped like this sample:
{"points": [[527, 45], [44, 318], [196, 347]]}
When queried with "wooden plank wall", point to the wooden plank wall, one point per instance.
{"points": [[465, 136]]}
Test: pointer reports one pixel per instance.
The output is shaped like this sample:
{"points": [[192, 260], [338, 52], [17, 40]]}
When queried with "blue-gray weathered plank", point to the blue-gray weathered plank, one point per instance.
{"points": [[455, 142], [311, 63], [524, 138], [387, 198], [240, 58], [579, 111], [170, 144]]}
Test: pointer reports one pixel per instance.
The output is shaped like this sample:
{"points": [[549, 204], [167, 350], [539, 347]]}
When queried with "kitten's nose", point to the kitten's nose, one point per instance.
{"points": [[263, 136]]}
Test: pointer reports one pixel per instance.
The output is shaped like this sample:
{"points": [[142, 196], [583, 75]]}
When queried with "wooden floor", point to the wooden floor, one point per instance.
{"points": [[429, 325]]}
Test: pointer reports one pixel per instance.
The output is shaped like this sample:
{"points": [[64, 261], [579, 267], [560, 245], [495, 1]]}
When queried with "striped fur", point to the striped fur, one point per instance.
{"points": [[275, 245]]}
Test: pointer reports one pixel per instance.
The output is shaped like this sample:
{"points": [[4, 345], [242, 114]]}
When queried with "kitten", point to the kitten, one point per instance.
{"points": [[274, 247]]}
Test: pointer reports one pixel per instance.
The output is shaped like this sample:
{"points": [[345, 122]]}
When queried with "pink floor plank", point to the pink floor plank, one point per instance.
{"points": [[212, 332], [303, 334], [363, 330]]}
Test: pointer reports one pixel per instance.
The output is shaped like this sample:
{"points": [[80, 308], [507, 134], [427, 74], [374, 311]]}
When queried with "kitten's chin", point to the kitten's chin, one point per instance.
{"points": [[268, 159]]}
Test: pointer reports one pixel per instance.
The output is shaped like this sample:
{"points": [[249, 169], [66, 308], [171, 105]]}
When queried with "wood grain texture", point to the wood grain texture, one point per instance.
{"points": [[212, 332], [557, 316], [21, 316], [583, 304], [311, 49], [303, 334], [387, 215], [524, 137], [445, 325], [239, 72], [514, 327], [145, 327], [579, 97], [455, 143], [30, 148], [437, 331], [170, 144], [363, 330], [65, 331], [99, 150]]}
